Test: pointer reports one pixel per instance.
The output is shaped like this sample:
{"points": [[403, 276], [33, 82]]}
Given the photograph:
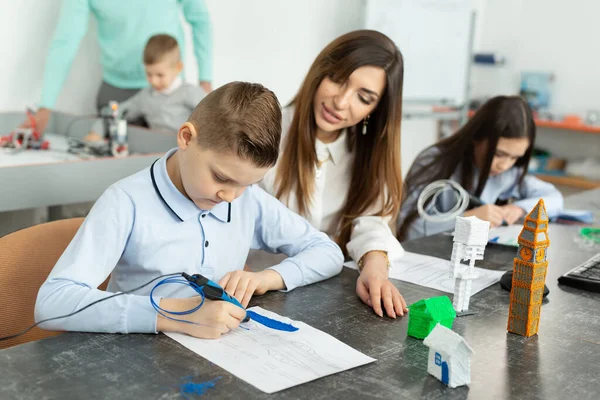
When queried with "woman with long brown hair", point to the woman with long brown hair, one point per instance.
{"points": [[488, 157], [340, 160]]}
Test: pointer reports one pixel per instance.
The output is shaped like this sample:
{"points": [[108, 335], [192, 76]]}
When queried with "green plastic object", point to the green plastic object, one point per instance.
{"points": [[592, 234], [426, 313]]}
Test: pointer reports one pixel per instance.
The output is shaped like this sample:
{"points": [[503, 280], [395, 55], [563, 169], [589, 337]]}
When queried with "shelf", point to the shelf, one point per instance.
{"points": [[565, 125], [571, 126], [572, 181]]}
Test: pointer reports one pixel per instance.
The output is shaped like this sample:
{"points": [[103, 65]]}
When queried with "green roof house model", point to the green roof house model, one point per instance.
{"points": [[426, 313]]}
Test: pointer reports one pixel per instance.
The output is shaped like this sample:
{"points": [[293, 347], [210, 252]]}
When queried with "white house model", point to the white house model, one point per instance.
{"points": [[449, 357], [470, 239]]}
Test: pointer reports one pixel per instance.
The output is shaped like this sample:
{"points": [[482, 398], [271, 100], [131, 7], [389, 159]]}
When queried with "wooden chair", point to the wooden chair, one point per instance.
{"points": [[26, 258]]}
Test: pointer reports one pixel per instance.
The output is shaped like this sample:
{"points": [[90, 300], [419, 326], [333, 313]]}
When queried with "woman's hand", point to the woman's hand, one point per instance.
{"points": [[374, 288]]}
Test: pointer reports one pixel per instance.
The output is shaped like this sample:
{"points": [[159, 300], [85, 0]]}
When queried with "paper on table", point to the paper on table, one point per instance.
{"points": [[434, 272], [273, 360], [506, 235]]}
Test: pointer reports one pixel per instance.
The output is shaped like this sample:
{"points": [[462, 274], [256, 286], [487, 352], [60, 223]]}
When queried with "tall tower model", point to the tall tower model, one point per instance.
{"points": [[529, 273]]}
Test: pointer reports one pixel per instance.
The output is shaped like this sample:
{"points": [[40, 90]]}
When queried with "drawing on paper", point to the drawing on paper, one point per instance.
{"points": [[273, 360]]}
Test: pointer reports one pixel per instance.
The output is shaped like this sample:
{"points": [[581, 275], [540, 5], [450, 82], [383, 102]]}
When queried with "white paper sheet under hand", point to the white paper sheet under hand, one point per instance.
{"points": [[273, 360], [433, 272]]}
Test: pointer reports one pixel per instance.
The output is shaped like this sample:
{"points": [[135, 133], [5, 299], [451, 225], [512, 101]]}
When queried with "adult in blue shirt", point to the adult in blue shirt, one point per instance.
{"points": [[123, 30]]}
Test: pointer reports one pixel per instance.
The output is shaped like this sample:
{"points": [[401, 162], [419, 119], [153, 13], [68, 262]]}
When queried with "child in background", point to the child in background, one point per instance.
{"points": [[168, 102], [195, 210], [488, 157]]}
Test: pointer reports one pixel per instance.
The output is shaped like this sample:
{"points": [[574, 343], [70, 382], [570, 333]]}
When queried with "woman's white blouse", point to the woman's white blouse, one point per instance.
{"points": [[332, 182]]}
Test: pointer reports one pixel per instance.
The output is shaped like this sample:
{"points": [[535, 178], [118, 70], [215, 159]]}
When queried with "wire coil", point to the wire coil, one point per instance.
{"points": [[431, 193]]}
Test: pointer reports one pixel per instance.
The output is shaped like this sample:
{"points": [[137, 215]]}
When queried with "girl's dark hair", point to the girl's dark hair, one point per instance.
{"points": [[502, 116]]}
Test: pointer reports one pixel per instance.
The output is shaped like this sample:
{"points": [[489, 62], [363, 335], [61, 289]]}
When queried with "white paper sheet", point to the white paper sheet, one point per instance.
{"points": [[433, 272], [273, 360], [506, 235]]}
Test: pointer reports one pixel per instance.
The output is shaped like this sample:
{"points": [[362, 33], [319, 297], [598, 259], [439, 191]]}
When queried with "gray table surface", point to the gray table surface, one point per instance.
{"points": [[588, 200], [561, 362], [55, 180]]}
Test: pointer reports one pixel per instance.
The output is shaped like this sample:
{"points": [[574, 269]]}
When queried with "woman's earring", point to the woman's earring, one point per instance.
{"points": [[365, 123]]}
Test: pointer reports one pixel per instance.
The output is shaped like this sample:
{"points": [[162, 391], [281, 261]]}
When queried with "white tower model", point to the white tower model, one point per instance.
{"points": [[470, 239]]}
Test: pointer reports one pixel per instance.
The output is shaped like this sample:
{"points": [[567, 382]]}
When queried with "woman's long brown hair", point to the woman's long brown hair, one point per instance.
{"points": [[376, 180], [502, 116]]}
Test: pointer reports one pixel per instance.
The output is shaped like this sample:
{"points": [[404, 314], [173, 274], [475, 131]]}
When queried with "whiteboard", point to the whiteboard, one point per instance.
{"points": [[435, 38]]}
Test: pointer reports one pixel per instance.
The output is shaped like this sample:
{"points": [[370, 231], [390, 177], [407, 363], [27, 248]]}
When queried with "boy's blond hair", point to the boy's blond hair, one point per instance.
{"points": [[242, 118], [160, 46]]}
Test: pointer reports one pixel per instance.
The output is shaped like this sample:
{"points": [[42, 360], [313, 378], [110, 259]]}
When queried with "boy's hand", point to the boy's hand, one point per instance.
{"points": [[488, 212], [512, 213], [212, 320], [374, 287], [242, 284]]}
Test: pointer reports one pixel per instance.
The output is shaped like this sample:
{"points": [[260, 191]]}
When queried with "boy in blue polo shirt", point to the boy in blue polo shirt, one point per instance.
{"points": [[195, 210]]}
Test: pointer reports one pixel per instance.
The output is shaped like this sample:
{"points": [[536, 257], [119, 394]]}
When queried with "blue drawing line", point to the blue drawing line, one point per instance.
{"points": [[271, 323], [188, 387]]}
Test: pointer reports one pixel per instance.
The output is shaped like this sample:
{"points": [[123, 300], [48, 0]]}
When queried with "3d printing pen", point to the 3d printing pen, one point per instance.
{"points": [[212, 290]]}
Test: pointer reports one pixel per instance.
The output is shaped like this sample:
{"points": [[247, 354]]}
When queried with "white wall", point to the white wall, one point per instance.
{"points": [[26, 29], [417, 134], [267, 41], [274, 42], [545, 35]]}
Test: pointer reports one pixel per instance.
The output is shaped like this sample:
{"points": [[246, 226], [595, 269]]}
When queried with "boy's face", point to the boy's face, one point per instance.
{"points": [[209, 177], [161, 74]]}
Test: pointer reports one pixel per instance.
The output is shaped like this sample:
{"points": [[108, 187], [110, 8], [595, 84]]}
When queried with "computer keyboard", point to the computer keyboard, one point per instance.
{"points": [[585, 276]]}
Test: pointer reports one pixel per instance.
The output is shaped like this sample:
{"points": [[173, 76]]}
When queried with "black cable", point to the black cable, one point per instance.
{"points": [[77, 146], [86, 307], [78, 119]]}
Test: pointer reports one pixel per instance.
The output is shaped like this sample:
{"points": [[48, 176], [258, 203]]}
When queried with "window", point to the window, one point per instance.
{"points": [[438, 359]]}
